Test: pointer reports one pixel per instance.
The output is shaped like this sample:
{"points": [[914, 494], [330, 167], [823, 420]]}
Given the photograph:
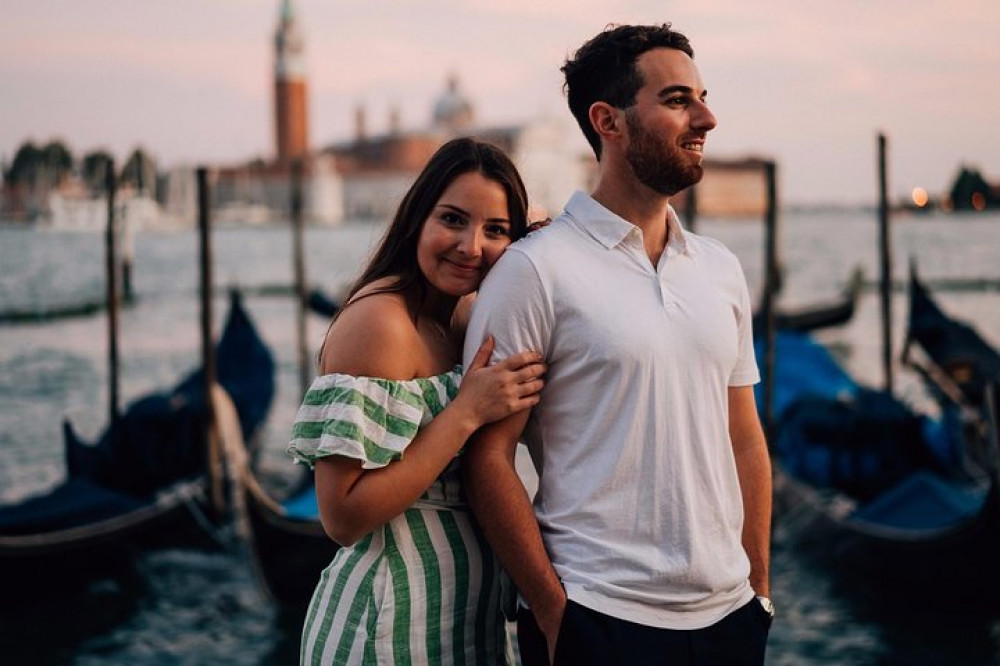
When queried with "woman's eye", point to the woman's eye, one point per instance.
{"points": [[452, 219], [498, 230]]}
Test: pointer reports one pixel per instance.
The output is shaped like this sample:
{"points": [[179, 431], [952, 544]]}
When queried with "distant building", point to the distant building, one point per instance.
{"points": [[179, 191], [260, 191], [365, 177], [453, 113], [376, 170], [729, 188], [291, 113]]}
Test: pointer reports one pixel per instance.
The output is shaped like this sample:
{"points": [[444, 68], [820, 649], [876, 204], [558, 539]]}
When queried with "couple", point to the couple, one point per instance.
{"points": [[648, 539]]}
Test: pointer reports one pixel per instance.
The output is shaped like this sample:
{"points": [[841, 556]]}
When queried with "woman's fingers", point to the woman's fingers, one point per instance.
{"points": [[538, 216], [526, 372], [482, 356], [531, 387], [538, 224], [522, 360], [531, 371], [506, 387], [496, 391]]}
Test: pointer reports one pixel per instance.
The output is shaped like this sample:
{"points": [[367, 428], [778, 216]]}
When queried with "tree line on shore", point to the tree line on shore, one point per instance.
{"points": [[38, 169]]}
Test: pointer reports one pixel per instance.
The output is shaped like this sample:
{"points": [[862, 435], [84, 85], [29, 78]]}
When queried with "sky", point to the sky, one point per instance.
{"points": [[809, 83]]}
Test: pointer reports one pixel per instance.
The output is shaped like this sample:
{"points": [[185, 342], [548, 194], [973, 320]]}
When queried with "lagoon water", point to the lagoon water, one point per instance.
{"points": [[204, 607]]}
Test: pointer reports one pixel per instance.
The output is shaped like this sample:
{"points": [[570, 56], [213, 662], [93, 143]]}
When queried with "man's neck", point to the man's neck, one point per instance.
{"points": [[639, 205]]}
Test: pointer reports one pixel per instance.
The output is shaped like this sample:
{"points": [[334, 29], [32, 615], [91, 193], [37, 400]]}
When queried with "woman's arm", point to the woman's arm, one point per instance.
{"points": [[353, 501]]}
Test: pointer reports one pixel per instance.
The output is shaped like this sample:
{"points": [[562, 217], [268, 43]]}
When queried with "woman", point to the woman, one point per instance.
{"points": [[385, 422]]}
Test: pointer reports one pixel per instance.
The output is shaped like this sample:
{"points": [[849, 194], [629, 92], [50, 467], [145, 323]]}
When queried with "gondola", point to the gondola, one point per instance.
{"points": [[885, 499], [284, 538], [956, 360], [823, 315], [146, 482], [38, 315], [321, 303], [290, 547]]}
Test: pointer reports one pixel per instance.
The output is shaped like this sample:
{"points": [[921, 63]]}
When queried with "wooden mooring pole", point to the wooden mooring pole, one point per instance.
{"points": [[111, 272], [691, 209], [128, 239], [214, 461], [771, 284], [298, 261], [885, 264]]}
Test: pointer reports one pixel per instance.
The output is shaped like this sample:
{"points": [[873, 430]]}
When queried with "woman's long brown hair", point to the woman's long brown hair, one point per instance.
{"points": [[396, 255]]}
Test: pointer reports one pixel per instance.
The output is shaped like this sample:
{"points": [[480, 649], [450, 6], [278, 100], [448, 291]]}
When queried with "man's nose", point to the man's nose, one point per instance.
{"points": [[703, 118]]}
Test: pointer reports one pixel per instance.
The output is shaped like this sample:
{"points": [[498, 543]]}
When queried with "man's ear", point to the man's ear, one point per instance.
{"points": [[606, 120]]}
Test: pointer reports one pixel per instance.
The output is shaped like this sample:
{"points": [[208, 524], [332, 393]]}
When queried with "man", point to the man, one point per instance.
{"points": [[648, 539]]}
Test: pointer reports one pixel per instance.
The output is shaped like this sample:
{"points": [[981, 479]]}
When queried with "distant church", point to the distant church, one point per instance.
{"points": [[365, 177], [376, 169], [291, 104], [260, 191]]}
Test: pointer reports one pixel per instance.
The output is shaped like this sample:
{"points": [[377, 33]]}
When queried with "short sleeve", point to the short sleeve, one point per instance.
{"points": [[745, 372], [513, 307], [369, 419]]}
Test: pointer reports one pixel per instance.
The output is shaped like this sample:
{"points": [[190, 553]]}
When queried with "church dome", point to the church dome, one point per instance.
{"points": [[452, 111]]}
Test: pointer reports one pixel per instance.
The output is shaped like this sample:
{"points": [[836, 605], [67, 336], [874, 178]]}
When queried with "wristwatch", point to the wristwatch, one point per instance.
{"points": [[767, 604]]}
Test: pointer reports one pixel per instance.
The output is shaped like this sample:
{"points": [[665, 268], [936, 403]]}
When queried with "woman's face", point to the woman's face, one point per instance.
{"points": [[466, 232]]}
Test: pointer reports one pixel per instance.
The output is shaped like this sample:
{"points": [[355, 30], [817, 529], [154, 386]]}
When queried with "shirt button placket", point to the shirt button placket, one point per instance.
{"points": [[666, 297]]}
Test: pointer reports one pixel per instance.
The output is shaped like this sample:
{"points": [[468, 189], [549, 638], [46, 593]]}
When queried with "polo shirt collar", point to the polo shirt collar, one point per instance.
{"points": [[610, 230]]}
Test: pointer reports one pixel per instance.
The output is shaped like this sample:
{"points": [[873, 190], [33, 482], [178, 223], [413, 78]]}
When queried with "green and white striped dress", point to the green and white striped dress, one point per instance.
{"points": [[422, 589]]}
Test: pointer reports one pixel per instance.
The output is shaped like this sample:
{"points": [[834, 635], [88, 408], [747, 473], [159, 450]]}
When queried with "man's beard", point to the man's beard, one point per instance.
{"points": [[663, 169]]}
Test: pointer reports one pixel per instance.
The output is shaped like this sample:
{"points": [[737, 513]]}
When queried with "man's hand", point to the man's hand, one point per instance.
{"points": [[549, 623]]}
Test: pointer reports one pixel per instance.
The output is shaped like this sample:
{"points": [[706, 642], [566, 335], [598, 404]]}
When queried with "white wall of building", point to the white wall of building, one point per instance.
{"points": [[551, 161], [375, 196]]}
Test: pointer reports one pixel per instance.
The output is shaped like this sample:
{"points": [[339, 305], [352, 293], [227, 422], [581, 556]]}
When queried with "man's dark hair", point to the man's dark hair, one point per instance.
{"points": [[604, 70]]}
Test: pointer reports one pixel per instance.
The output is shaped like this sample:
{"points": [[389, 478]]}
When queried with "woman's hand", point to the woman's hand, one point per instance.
{"points": [[538, 224], [497, 391], [540, 218]]}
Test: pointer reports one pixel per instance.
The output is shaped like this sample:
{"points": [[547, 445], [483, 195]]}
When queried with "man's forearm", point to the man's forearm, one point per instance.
{"points": [[755, 482], [753, 467], [503, 509]]}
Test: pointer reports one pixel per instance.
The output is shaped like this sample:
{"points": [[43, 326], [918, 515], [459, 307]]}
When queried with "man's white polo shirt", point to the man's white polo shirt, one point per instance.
{"points": [[638, 502]]}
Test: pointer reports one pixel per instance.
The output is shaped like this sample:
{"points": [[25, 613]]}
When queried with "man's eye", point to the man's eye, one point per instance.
{"points": [[676, 101]]}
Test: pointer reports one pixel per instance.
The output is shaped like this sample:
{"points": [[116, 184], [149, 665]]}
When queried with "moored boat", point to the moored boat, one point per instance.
{"points": [[284, 538], [289, 544], [956, 359], [820, 315], [877, 494], [146, 482]]}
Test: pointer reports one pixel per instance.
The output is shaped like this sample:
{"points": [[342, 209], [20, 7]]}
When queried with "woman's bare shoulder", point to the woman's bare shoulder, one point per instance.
{"points": [[374, 336], [383, 285]]}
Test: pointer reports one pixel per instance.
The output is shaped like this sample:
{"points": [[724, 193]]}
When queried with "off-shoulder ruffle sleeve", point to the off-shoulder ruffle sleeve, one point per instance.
{"points": [[370, 419]]}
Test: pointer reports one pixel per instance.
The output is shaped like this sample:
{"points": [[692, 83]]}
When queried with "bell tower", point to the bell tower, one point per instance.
{"points": [[290, 100]]}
